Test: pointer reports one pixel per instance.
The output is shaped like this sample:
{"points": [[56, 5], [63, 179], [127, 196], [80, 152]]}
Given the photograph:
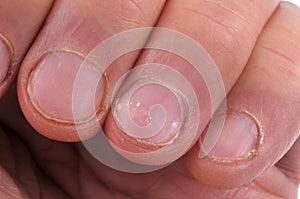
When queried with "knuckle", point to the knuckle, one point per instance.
{"points": [[224, 27]]}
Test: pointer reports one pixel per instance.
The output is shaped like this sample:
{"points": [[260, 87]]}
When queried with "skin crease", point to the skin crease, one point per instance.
{"points": [[48, 169], [230, 55], [78, 34], [32, 13], [257, 87]]}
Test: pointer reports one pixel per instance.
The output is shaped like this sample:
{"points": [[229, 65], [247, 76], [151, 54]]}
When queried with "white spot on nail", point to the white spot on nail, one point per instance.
{"points": [[175, 124], [138, 104]]}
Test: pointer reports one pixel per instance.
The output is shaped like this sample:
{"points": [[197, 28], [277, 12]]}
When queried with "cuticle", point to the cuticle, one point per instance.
{"points": [[255, 151], [181, 99], [101, 107], [10, 47]]}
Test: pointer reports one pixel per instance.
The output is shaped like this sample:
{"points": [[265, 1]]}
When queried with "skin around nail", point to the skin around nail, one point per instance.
{"points": [[152, 117], [79, 34], [17, 35], [5, 58], [251, 159], [7, 67], [241, 137], [57, 72], [223, 59], [156, 119], [263, 92]]}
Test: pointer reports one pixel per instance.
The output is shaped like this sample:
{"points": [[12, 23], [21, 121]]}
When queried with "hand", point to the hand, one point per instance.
{"points": [[254, 44]]}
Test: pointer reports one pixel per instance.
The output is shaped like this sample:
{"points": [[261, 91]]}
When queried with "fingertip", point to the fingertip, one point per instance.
{"points": [[235, 158], [55, 99], [218, 173]]}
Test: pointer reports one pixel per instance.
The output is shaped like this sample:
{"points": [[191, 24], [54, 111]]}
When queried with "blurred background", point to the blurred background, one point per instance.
{"points": [[297, 2]]}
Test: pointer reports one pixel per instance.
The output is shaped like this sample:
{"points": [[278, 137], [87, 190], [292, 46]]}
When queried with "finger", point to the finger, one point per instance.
{"points": [[228, 31], [48, 74], [261, 123], [290, 163], [20, 22]]}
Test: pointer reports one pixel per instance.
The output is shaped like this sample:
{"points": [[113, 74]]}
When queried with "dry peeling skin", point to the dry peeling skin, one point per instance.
{"points": [[8, 68], [175, 135], [13, 47], [62, 77], [166, 140], [78, 34], [60, 69], [6, 53], [159, 130], [150, 117]]}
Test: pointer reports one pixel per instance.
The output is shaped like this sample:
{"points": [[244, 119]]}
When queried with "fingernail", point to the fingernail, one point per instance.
{"points": [[55, 78], [150, 112], [5, 59], [155, 115], [239, 137]]}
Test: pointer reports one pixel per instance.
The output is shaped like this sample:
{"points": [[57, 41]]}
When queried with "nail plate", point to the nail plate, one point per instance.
{"points": [[239, 138], [151, 113], [52, 82]]}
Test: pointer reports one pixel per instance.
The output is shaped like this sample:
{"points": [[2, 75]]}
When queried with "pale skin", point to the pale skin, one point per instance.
{"points": [[256, 46]]}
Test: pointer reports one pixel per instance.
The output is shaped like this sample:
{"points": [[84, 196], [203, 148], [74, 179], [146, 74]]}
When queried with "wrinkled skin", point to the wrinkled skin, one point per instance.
{"points": [[33, 166]]}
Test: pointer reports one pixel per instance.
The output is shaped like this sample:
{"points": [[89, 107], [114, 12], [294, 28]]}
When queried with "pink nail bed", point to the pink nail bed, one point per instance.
{"points": [[52, 82], [154, 113]]}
